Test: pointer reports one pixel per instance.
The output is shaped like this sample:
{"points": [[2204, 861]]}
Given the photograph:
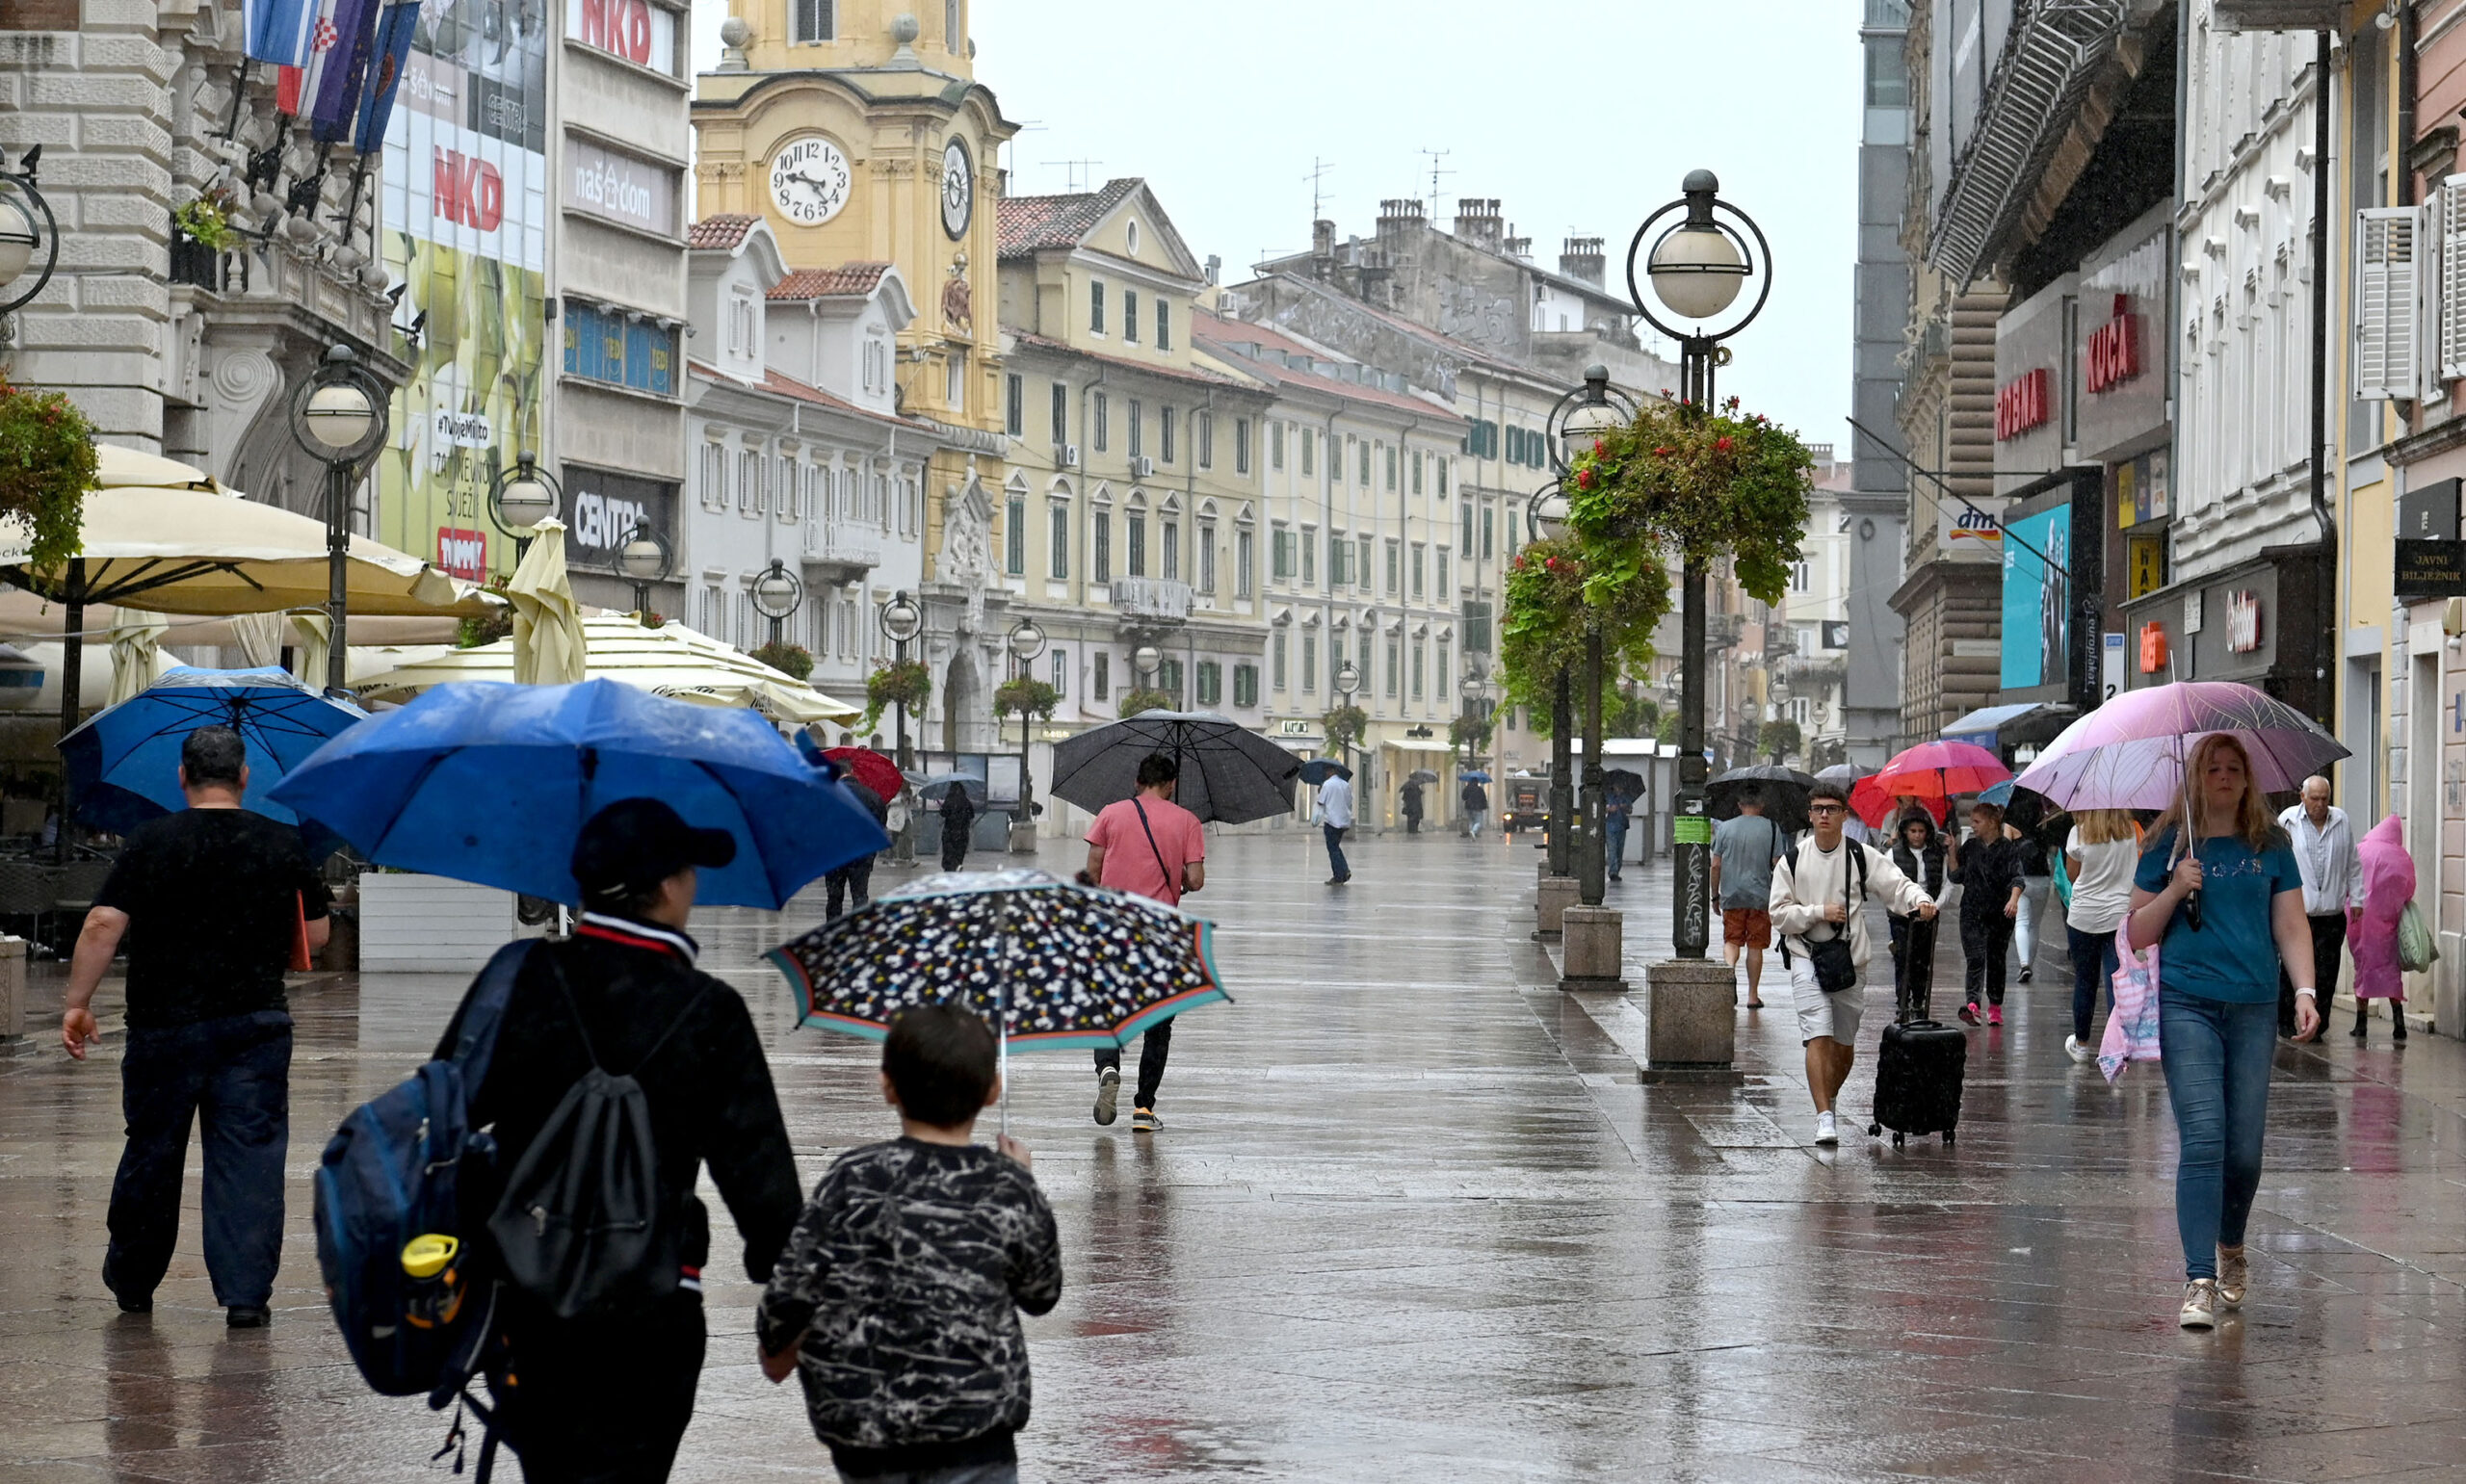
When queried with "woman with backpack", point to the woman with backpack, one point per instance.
{"points": [[2388, 889], [2219, 891]]}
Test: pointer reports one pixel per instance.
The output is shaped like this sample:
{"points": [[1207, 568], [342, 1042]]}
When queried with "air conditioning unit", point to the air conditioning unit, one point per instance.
{"points": [[1142, 466], [1067, 456]]}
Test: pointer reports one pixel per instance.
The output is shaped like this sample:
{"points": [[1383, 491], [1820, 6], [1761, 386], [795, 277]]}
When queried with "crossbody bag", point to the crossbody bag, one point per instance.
{"points": [[1835, 968], [1171, 883]]}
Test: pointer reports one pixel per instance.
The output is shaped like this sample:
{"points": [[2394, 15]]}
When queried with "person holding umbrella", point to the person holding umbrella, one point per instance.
{"points": [[1476, 800], [958, 818], [853, 882], [2218, 886], [1408, 803], [1149, 847]]}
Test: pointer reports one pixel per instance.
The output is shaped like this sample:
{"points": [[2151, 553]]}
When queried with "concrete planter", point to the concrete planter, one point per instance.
{"points": [[431, 925]]}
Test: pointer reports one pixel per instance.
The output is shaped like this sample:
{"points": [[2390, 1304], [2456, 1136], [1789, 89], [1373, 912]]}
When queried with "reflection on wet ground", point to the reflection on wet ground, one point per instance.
{"points": [[1414, 1217]]}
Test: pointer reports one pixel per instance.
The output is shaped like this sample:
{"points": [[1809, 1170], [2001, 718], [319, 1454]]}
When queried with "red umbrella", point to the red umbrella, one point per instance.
{"points": [[1879, 807], [868, 768], [1931, 771]]}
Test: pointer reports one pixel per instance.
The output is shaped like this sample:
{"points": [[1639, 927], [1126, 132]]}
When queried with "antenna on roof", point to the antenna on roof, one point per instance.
{"points": [[1318, 195], [1076, 173], [1434, 156]]}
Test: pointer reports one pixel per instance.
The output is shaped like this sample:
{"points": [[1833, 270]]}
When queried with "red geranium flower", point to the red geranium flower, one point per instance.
{"points": [[1722, 444], [1583, 479]]}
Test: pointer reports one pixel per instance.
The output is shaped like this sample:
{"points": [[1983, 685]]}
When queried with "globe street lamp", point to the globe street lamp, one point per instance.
{"points": [[1576, 423], [777, 595], [1026, 643], [26, 227], [520, 498], [1346, 683], [899, 620], [1698, 269], [339, 416], [644, 558], [1545, 515], [1145, 662]]}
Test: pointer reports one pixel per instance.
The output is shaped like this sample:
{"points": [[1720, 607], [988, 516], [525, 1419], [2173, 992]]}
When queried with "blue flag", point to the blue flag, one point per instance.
{"points": [[279, 31], [338, 84], [394, 30]]}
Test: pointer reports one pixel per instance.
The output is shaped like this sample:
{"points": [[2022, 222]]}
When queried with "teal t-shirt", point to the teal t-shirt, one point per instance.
{"points": [[2233, 955]]}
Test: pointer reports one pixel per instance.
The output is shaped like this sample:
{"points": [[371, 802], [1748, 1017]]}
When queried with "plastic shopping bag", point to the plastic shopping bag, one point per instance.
{"points": [[2132, 1028]]}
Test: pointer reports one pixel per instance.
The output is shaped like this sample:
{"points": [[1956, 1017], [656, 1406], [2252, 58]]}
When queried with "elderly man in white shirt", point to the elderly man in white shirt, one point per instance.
{"points": [[2332, 871], [1336, 816]]}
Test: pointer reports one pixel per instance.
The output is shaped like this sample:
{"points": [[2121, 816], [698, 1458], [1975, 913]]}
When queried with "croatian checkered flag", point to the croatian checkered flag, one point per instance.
{"points": [[296, 84], [284, 32]]}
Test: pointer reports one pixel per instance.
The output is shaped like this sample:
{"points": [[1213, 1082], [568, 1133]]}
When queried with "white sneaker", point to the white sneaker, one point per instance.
{"points": [[2200, 1304], [1827, 1130], [2078, 1050]]}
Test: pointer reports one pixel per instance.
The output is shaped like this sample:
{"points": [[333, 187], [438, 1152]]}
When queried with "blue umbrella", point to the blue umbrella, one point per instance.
{"points": [[124, 764], [1474, 776], [1999, 794], [489, 782]]}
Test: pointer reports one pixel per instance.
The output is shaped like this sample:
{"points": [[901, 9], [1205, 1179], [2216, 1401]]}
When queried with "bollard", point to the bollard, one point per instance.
{"points": [[1691, 1021], [1555, 895], [1593, 951], [12, 992]]}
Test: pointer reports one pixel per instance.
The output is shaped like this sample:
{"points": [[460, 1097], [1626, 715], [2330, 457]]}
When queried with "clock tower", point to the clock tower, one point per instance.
{"points": [[858, 130]]}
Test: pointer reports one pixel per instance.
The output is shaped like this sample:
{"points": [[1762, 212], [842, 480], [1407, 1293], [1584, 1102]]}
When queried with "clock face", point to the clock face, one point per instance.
{"points": [[809, 180], [959, 189]]}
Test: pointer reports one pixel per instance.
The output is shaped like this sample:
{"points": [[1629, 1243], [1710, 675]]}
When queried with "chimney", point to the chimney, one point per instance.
{"points": [[1582, 258], [1398, 215], [1476, 221], [1322, 250], [1518, 247], [1216, 267]]}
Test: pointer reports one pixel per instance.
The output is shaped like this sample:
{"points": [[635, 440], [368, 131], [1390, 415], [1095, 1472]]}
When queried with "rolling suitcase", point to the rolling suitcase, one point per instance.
{"points": [[1918, 1072]]}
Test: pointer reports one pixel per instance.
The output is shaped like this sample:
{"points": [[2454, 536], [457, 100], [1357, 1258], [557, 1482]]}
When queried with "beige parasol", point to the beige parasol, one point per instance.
{"points": [[136, 655], [671, 661], [549, 645]]}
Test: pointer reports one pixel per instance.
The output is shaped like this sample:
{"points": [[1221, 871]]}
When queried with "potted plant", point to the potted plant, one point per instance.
{"points": [[900, 683], [1133, 702], [786, 657], [46, 467]]}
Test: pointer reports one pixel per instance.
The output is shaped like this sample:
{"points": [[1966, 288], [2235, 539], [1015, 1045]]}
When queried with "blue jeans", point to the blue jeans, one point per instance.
{"points": [[2216, 1056], [1336, 852], [2093, 963], [1614, 828], [232, 1077]]}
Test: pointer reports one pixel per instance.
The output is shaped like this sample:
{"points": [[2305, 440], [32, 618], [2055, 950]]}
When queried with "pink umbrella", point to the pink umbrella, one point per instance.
{"points": [[1932, 771], [2129, 753]]}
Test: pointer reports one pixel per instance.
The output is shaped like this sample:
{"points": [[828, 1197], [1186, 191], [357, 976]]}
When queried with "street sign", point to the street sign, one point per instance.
{"points": [[2431, 569]]}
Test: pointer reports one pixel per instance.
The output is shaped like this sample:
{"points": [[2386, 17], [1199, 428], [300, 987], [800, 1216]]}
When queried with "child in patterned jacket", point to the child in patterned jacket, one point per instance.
{"points": [[898, 1298]]}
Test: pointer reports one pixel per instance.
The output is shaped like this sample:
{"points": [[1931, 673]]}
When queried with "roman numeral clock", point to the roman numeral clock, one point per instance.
{"points": [[959, 189], [809, 179]]}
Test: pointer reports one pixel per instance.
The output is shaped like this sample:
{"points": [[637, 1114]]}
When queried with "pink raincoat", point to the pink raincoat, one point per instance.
{"points": [[2372, 929]]}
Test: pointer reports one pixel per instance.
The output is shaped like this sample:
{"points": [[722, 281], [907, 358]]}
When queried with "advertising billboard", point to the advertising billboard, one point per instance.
{"points": [[466, 213], [2037, 610]]}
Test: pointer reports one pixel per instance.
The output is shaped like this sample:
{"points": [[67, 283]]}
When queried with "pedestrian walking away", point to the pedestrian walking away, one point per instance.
{"points": [[1820, 890], [1476, 800], [1149, 847], [896, 1300], [958, 818], [213, 904], [603, 1389], [2037, 884], [1918, 850], [854, 881], [1616, 807], [2218, 890], [1336, 816], [2099, 854], [2388, 890], [1743, 850], [2328, 854], [1988, 870], [1408, 803]]}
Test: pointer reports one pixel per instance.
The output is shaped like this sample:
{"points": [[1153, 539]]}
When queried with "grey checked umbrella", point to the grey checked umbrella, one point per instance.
{"points": [[1229, 773]]}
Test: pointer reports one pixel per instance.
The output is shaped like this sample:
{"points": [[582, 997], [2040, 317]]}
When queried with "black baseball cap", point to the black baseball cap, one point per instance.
{"points": [[635, 843]]}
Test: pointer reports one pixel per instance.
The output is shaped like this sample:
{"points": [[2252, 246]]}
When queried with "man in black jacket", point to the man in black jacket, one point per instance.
{"points": [[609, 1400]]}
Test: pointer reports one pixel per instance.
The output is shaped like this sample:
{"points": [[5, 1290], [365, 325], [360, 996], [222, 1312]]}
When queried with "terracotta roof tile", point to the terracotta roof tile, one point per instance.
{"points": [[1031, 224], [789, 386], [1199, 374], [726, 232], [847, 279]]}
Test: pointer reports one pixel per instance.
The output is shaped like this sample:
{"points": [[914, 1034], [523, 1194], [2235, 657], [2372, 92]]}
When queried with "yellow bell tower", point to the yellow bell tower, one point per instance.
{"points": [[856, 128]]}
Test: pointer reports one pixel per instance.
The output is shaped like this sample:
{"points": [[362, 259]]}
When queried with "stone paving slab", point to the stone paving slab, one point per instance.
{"points": [[1415, 1217]]}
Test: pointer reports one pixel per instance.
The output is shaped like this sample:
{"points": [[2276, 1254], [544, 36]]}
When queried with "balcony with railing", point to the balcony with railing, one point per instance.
{"points": [[1155, 598], [843, 550]]}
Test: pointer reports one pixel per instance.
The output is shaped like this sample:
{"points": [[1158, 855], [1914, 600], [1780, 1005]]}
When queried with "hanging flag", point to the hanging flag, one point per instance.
{"points": [[394, 30], [296, 85], [279, 31], [336, 94]]}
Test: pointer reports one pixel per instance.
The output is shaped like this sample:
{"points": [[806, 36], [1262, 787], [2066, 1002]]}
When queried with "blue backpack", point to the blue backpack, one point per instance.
{"points": [[394, 1172]]}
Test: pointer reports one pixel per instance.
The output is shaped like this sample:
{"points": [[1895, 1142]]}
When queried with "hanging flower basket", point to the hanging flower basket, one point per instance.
{"points": [[1022, 694], [1551, 607], [909, 685], [1696, 482], [1345, 727], [1133, 702], [786, 657], [46, 467]]}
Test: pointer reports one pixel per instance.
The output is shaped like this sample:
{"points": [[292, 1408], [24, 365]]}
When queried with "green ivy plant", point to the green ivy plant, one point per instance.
{"points": [[1692, 481], [46, 466], [1553, 599], [207, 221], [786, 657], [1022, 694], [907, 684], [1346, 726], [1778, 739], [1471, 734], [1133, 702]]}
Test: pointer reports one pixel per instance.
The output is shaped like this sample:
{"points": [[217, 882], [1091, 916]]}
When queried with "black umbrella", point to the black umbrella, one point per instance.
{"points": [[1228, 772], [1625, 778], [1319, 770], [1784, 791], [1421, 775]]}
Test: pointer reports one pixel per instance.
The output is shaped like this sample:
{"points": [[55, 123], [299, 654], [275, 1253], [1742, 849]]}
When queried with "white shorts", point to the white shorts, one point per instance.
{"points": [[1820, 1014]]}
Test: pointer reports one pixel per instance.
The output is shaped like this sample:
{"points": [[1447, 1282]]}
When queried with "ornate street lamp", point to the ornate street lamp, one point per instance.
{"points": [[339, 416], [27, 227], [1026, 643], [1545, 515], [645, 557], [1582, 416], [1145, 662], [777, 595], [1698, 268], [521, 497], [900, 620]]}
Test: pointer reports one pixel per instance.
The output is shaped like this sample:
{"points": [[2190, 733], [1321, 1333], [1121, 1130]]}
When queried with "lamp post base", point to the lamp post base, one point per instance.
{"points": [[1556, 894], [1023, 837], [1691, 1017], [1592, 949]]}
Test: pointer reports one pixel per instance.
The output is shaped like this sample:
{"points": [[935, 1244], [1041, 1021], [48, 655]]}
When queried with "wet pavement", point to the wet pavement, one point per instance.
{"points": [[1413, 1218]]}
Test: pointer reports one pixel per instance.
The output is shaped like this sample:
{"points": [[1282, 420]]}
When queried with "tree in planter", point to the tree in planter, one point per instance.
{"points": [[1778, 739], [786, 657], [1133, 702], [905, 684], [46, 466]]}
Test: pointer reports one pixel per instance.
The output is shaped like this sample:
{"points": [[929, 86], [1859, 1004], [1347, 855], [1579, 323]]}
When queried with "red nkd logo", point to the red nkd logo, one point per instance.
{"points": [[468, 190], [2114, 348], [620, 26], [462, 554], [2021, 403]]}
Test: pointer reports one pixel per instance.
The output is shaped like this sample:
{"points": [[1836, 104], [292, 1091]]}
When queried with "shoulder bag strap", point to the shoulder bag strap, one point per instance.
{"points": [[483, 1012], [565, 989], [1171, 884]]}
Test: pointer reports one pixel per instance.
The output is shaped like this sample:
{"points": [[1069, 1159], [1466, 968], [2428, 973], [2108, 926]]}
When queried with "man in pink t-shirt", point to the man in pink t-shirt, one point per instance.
{"points": [[1149, 847]]}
